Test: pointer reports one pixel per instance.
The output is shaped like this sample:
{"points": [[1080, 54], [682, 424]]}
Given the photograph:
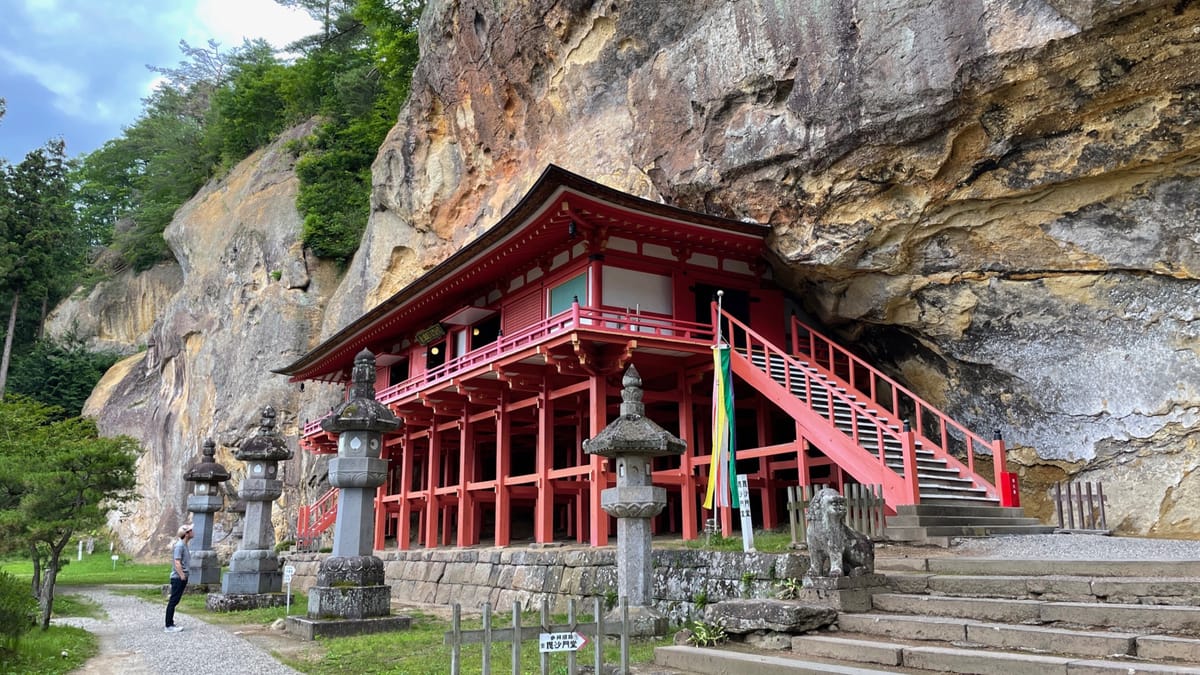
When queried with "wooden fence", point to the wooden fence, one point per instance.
{"points": [[864, 510], [545, 631], [1079, 506]]}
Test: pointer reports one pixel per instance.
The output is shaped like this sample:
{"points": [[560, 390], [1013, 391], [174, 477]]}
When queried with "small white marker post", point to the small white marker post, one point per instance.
{"points": [[288, 571], [115, 558], [744, 506], [80, 550]]}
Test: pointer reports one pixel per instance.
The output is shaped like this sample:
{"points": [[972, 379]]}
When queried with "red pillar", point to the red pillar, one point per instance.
{"points": [[912, 493], [543, 522], [687, 483], [503, 505], [468, 526], [404, 527], [433, 471], [598, 419]]}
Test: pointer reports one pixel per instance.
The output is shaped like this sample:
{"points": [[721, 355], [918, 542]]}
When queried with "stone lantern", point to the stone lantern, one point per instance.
{"points": [[350, 596], [633, 440], [206, 499], [254, 567]]}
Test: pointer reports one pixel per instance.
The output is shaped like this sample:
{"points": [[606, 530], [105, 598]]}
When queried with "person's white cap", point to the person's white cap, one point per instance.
{"points": [[184, 530]]}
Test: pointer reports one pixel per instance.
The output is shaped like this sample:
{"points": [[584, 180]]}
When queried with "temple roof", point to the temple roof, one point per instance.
{"points": [[536, 227]]}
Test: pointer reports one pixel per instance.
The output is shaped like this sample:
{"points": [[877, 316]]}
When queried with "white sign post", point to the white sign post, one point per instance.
{"points": [[288, 571], [115, 558], [561, 642], [744, 503]]}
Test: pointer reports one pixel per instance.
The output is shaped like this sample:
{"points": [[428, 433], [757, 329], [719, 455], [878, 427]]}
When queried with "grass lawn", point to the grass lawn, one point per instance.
{"points": [[96, 569], [60, 649]]}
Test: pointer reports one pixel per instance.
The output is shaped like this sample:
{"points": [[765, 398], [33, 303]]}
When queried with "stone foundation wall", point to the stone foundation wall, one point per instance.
{"points": [[684, 580]]}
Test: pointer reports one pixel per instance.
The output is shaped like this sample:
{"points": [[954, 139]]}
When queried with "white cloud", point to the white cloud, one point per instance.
{"points": [[232, 21], [66, 84]]}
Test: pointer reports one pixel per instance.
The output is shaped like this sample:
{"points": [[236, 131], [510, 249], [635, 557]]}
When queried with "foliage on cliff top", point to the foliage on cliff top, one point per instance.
{"points": [[218, 106]]}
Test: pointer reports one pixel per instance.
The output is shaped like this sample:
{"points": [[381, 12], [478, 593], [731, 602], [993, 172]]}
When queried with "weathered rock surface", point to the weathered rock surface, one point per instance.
{"points": [[784, 616], [205, 369], [996, 200]]}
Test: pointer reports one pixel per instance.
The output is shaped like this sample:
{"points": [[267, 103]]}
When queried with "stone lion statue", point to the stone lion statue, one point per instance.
{"points": [[834, 549]]}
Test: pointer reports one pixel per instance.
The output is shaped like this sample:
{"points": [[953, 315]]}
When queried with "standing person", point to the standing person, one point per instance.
{"points": [[180, 559]]}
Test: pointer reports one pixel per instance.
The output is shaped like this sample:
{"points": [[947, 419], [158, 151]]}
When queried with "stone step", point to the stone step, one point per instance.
{"points": [[724, 661], [1045, 639], [922, 532], [928, 509], [931, 521], [1128, 590], [1045, 567], [1169, 618], [973, 661]]}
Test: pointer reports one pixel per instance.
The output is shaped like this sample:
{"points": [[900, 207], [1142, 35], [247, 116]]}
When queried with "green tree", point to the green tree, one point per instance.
{"points": [[57, 477], [40, 244], [59, 373]]}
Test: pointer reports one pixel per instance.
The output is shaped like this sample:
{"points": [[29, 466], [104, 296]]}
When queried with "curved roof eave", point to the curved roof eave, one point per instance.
{"points": [[553, 181]]}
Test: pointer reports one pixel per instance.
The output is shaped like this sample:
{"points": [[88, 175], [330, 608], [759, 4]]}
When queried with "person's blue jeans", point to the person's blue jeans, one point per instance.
{"points": [[177, 586]]}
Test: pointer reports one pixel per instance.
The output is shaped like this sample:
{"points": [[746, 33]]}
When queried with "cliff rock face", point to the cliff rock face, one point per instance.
{"points": [[994, 199], [997, 200], [249, 301]]}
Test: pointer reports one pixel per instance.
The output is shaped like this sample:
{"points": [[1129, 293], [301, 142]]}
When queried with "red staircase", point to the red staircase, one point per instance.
{"points": [[859, 418], [314, 519]]}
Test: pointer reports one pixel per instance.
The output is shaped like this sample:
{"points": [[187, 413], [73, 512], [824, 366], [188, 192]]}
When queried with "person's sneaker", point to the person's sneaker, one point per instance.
{"points": [[173, 629]]}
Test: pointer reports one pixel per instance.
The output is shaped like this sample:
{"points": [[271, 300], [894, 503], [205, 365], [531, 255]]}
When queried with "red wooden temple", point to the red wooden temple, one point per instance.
{"points": [[502, 359]]}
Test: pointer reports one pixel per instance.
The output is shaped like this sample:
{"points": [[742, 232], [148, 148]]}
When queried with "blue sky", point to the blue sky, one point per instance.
{"points": [[76, 69]]}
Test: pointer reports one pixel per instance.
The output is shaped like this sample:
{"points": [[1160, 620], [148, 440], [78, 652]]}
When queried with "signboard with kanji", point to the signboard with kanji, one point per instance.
{"points": [[561, 642]]}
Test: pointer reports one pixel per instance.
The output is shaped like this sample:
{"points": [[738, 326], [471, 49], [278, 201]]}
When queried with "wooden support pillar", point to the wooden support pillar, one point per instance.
{"points": [[598, 419], [687, 482], [802, 464], [543, 519], [468, 526], [503, 465], [769, 517], [404, 527], [433, 471], [578, 502], [380, 517]]}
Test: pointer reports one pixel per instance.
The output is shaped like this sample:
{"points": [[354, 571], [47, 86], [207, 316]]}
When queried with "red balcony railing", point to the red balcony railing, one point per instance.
{"points": [[600, 320]]}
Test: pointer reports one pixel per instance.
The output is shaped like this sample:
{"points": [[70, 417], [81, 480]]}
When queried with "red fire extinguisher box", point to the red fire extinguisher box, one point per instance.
{"points": [[1010, 489]]}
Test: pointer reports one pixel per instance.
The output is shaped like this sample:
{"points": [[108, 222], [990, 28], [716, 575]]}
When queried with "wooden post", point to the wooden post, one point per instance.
{"points": [[503, 464], [543, 521], [999, 459], [404, 527], [598, 419], [687, 482], [433, 471], [468, 528], [912, 484]]}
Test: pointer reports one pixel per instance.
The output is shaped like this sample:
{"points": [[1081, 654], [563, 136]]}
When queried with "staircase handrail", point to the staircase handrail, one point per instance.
{"points": [[922, 410], [899, 488]]}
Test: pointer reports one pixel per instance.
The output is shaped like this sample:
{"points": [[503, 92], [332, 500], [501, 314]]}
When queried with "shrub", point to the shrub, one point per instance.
{"points": [[17, 610]]}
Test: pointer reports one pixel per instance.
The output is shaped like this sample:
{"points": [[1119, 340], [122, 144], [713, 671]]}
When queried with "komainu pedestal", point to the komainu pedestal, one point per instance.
{"points": [[841, 572]]}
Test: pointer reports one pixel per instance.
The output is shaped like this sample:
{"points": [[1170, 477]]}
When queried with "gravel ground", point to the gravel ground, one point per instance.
{"points": [[132, 642], [1077, 547]]}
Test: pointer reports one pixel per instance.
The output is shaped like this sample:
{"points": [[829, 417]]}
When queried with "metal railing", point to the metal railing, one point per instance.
{"points": [[551, 638]]}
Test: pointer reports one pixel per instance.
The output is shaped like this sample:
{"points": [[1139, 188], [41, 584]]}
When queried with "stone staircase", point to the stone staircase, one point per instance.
{"points": [[974, 615]]}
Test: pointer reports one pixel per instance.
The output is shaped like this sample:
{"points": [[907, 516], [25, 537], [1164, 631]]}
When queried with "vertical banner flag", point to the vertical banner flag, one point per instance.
{"points": [[724, 462]]}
